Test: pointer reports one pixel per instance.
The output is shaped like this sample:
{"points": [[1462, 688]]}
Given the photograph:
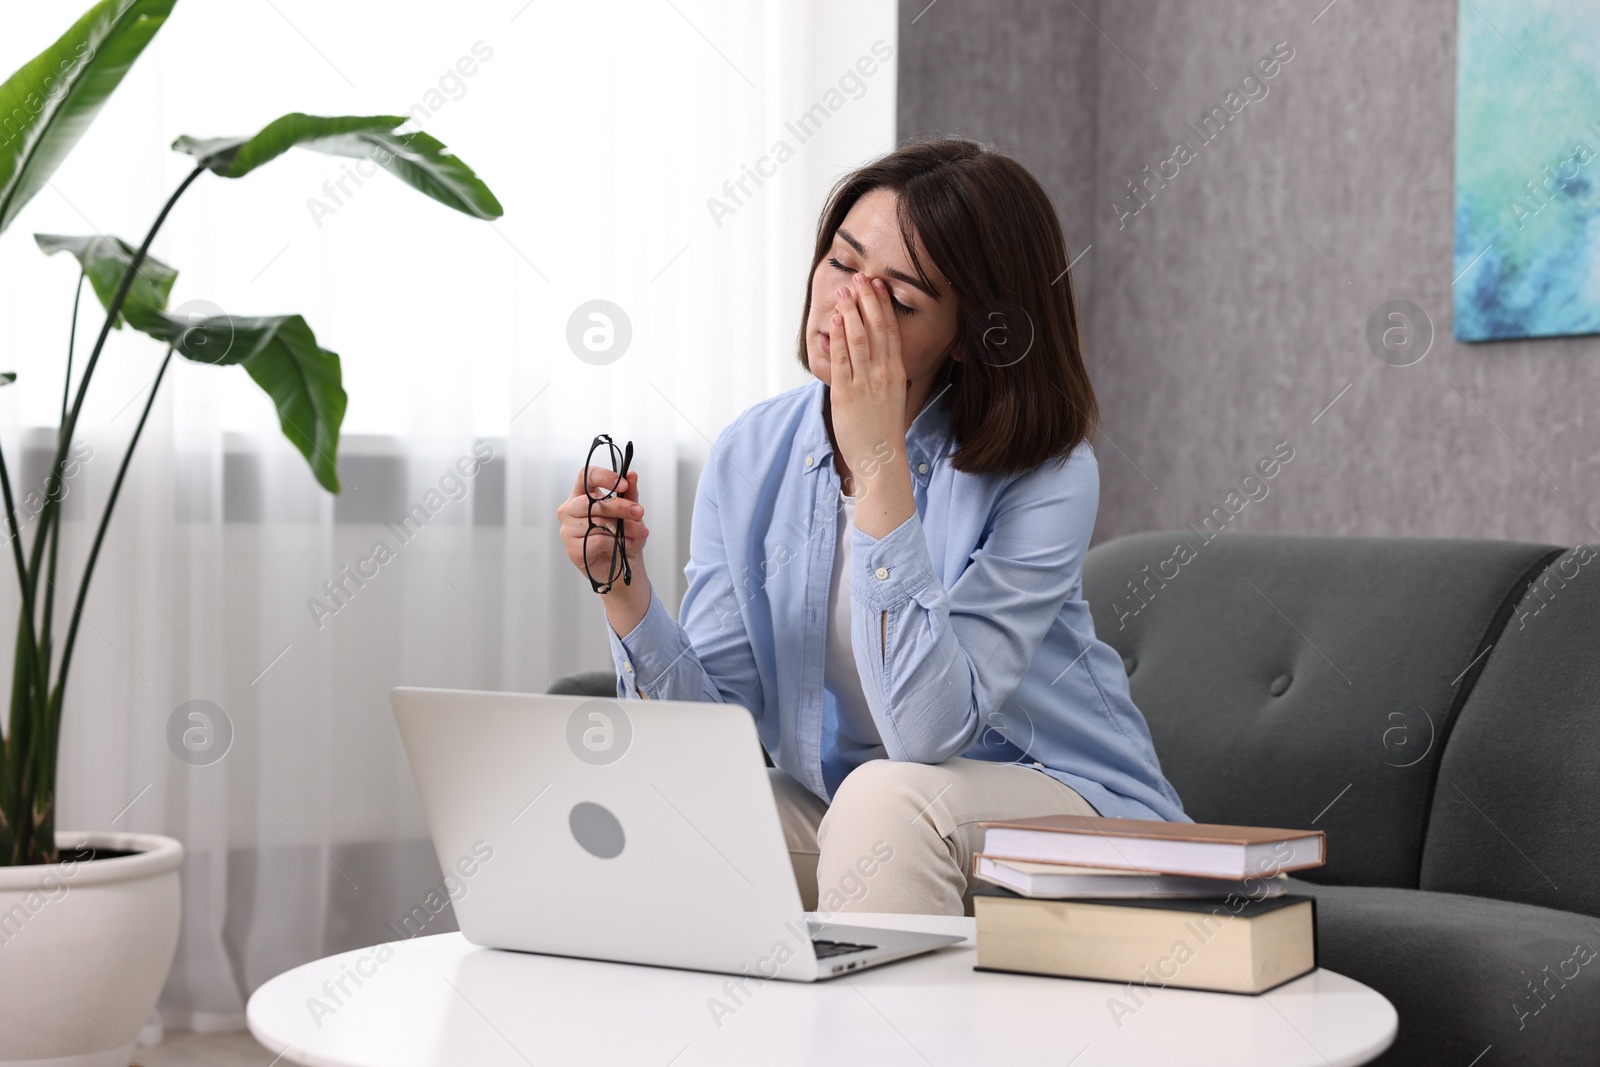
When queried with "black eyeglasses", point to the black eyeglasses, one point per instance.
{"points": [[619, 545]]}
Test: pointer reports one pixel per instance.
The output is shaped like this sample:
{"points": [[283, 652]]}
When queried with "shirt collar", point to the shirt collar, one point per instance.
{"points": [[926, 441]]}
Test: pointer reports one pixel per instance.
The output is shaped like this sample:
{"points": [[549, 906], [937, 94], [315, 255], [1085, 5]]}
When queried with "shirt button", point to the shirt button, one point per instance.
{"points": [[627, 666], [922, 468], [811, 461], [882, 573]]}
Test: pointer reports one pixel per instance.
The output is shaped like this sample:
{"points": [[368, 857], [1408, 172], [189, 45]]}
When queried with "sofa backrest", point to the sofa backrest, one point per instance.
{"points": [[1307, 682], [585, 684], [1514, 812]]}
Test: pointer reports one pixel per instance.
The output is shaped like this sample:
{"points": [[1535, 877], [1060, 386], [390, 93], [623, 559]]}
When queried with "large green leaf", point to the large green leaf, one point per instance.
{"points": [[418, 159], [48, 103], [282, 355], [105, 260]]}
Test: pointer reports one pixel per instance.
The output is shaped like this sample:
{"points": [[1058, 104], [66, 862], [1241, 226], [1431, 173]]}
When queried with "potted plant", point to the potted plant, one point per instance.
{"points": [[89, 921]]}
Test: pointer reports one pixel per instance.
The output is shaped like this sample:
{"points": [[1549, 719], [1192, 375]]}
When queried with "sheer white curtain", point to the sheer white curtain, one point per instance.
{"points": [[605, 128]]}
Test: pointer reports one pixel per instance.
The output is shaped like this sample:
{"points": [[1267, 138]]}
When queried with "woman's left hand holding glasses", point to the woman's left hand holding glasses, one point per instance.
{"points": [[591, 551]]}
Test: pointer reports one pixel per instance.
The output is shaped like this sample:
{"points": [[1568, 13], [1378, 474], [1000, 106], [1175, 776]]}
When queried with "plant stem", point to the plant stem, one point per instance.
{"points": [[113, 309], [18, 746], [72, 340], [11, 803], [105, 524], [16, 531], [46, 626], [26, 713], [32, 815]]}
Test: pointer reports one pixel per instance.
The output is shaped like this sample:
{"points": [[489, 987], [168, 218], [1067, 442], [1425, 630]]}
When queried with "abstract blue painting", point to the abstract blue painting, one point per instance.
{"points": [[1527, 242]]}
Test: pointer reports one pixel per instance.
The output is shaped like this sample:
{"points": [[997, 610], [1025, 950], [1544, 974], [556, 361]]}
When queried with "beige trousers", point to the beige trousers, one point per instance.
{"points": [[899, 837]]}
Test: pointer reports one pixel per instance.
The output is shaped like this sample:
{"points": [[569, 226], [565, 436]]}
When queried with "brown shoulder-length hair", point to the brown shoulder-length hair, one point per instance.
{"points": [[1020, 394]]}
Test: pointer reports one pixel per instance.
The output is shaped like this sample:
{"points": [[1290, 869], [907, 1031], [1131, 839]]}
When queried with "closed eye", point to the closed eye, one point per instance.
{"points": [[901, 308]]}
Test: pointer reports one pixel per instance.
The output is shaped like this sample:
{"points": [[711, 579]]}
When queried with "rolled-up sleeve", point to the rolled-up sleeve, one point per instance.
{"points": [[704, 655], [650, 652], [937, 664]]}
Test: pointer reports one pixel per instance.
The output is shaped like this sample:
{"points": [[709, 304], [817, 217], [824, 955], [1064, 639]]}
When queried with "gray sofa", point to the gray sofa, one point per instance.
{"points": [[1434, 707]]}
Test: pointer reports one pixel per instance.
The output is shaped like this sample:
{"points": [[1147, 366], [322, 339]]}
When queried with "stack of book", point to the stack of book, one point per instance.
{"points": [[1188, 905]]}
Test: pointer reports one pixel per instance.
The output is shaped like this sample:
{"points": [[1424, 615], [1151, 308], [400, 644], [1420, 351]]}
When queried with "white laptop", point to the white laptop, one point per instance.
{"points": [[639, 831]]}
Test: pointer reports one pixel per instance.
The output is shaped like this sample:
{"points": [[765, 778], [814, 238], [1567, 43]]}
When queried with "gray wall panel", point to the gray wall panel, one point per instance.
{"points": [[1020, 76], [1224, 318]]}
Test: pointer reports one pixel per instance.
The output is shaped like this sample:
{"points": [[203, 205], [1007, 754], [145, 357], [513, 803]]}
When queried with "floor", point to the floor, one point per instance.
{"points": [[185, 1049]]}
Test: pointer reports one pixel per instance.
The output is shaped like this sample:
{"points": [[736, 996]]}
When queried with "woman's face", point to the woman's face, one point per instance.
{"points": [[868, 241]]}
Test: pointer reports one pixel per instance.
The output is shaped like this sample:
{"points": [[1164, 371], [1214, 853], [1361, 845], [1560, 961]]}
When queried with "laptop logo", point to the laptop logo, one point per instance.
{"points": [[596, 830], [599, 732]]}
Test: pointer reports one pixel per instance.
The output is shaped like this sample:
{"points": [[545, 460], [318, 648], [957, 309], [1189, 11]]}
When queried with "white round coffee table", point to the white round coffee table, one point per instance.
{"points": [[443, 1001]]}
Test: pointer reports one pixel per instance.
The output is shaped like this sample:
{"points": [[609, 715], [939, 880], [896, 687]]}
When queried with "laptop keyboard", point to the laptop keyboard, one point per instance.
{"points": [[825, 948]]}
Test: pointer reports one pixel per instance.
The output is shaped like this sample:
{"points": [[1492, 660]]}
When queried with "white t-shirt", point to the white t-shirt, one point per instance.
{"points": [[840, 676]]}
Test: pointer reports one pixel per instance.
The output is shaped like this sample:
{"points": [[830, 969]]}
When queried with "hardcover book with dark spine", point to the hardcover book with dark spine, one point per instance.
{"points": [[1206, 850]]}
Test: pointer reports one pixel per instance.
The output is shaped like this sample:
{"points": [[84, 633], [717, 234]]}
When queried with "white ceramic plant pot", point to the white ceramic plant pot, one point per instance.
{"points": [[85, 948]]}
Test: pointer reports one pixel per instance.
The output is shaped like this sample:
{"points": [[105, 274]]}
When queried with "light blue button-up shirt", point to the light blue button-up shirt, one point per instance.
{"points": [[968, 623]]}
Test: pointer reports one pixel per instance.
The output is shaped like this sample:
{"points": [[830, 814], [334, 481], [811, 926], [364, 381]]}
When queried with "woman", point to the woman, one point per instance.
{"points": [[885, 563]]}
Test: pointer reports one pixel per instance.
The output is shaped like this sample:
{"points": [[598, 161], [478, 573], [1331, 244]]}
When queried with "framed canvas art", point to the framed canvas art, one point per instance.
{"points": [[1527, 212]]}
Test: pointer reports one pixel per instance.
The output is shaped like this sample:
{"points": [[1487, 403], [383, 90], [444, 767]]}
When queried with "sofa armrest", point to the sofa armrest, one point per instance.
{"points": [[1467, 972]]}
